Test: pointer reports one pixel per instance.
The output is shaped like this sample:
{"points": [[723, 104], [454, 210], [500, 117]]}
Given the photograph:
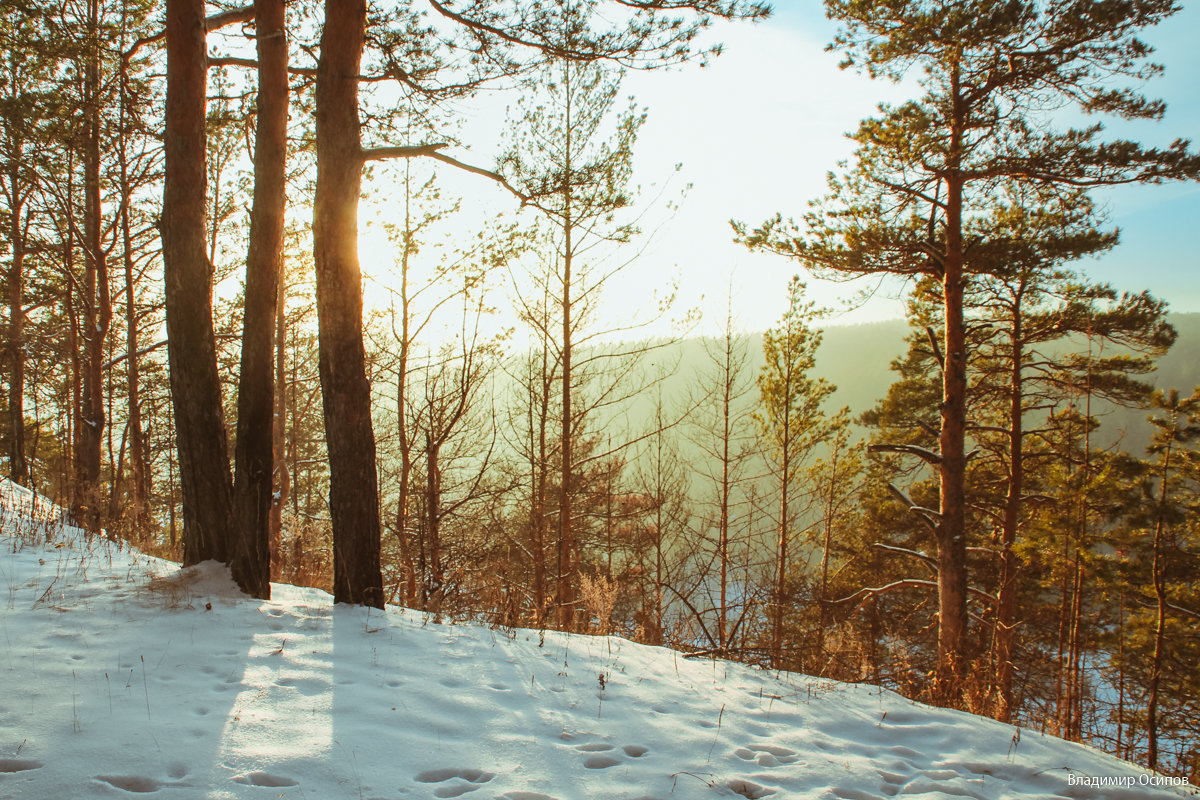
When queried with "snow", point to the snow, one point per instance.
{"points": [[125, 675]]}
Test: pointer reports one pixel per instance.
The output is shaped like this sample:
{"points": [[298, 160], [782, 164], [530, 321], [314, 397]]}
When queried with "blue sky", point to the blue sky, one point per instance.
{"points": [[758, 130]]}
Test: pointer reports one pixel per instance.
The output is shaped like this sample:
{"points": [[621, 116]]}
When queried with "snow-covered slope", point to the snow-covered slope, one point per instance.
{"points": [[123, 675]]}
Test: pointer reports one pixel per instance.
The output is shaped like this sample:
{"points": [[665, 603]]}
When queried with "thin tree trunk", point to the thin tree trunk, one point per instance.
{"points": [[823, 599], [433, 521], [727, 387], [1160, 624], [279, 429], [566, 533], [1075, 659], [1006, 612], [138, 513], [346, 392], [18, 465]]}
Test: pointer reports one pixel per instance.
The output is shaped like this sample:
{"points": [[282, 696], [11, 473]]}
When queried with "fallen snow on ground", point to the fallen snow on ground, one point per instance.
{"points": [[125, 675]]}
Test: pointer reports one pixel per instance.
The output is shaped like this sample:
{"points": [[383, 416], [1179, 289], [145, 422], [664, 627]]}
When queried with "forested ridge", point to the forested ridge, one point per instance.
{"points": [[998, 510]]}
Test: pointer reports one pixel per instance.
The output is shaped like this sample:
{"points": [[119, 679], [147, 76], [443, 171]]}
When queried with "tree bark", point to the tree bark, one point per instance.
{"points": [[250, 557], [191, 348], [346, 392]]}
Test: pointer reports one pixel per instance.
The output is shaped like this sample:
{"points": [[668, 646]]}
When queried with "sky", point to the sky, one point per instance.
{"points": [[756, 132], [130, 676]]}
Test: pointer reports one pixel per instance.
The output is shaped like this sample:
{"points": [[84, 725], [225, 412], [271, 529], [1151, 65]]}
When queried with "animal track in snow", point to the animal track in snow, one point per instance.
{"points": [[19, 764], [265, 779], [457, 781], [635, 750]]}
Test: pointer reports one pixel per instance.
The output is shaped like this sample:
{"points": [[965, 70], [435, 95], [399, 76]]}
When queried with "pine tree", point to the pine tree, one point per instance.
{"points": [[793, 423], [990, 73], [578, 178]]}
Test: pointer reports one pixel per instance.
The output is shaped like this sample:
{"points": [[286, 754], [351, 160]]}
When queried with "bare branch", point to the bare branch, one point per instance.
{"points": [[215, 22], [929, 560], [927, 515], [401, 151], [926, 455], [230, 17], [250, 63], [937, 348], [495, 176]]}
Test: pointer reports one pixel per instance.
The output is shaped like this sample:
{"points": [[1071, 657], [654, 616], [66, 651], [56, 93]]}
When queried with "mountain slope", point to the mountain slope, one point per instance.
{"points": [[127, 676]]}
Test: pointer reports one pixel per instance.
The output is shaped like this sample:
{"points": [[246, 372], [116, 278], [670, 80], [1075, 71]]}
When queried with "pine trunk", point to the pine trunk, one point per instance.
{"points": [[97, 304], [952, 567], [250, 556], [345, 390], [195, 386]]}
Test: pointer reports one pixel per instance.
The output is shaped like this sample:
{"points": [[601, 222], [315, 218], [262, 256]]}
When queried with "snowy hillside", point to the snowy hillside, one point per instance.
{"points": [[124, 675]]}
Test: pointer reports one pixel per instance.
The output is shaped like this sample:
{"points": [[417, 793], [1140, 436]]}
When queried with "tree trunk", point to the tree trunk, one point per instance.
{"points": [[346, 392], [18, 466], [951, 533], [97, 300], [250, 556], [138, 513], [191, 348], [566, 532], [433, 521], [1006, 612], [1160, 602], [279, 429]]}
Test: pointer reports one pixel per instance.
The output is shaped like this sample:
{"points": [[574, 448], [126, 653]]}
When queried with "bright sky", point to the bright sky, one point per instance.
{"points": [[757, 131]]}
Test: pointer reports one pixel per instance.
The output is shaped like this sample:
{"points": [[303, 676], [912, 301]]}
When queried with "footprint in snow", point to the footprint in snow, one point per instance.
{"points": [[766, 755], [139, 784], [602, 758], [457, 781], [19, 764], [265, 779], [851, 794], [305, 686], [748, 789]]}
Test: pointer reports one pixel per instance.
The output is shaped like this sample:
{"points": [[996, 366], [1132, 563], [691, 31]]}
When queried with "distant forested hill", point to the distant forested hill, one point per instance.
{"points": [[857, 359]]}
